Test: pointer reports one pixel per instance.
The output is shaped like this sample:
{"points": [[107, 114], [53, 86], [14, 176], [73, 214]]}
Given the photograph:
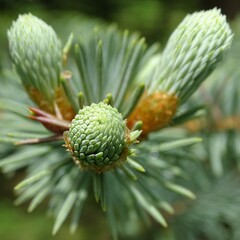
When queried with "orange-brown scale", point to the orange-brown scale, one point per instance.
{"points": [[155, 110], [60, 99], [64, 105]]}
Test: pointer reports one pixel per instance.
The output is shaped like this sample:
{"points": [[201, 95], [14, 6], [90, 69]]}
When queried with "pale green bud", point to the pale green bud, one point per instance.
{"points": [[37, 54], [191, 54], [97, 137]]}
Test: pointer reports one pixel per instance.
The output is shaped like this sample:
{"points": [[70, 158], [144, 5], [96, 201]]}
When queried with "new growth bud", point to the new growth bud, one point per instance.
{"points": [[37, 54], [192, 52], [97, 138]]}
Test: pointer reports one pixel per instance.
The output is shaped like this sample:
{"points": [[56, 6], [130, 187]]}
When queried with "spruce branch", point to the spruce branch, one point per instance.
{"points": [[103, 137]]}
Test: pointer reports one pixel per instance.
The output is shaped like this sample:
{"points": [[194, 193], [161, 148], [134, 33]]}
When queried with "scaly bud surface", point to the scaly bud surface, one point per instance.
{"points": [[97, 137], [37, 54], [191, 54]]}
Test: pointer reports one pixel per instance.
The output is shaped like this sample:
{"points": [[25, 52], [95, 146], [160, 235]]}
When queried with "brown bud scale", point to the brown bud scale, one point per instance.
{"points": [[155, 110], [60, 99]]}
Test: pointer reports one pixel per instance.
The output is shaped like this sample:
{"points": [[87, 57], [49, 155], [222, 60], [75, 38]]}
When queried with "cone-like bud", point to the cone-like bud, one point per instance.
{"points": [[97, 138], [37, 54], [191, 54]]}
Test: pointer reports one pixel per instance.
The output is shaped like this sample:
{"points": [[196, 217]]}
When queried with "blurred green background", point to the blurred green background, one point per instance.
{"points": [[154, 19]]}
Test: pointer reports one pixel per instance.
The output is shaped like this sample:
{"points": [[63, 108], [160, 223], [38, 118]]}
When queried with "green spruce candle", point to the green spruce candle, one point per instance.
{"points": [[192, 52], [36, 52], [97, 137]]}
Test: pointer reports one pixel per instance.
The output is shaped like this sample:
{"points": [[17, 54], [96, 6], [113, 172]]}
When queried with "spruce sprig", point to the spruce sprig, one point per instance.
{"points": [[105, 72]]}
